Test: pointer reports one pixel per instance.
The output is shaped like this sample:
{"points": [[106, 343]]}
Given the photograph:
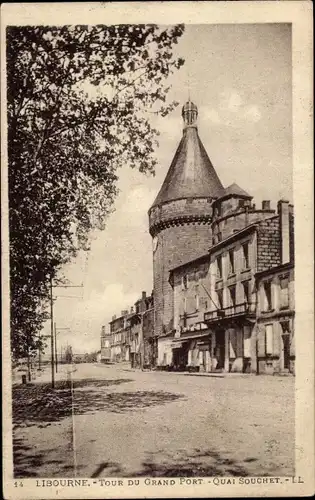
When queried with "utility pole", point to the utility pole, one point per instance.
{"points": [[56, 357], [52, 333], [52, 326], [39, 353], [28, 364]]}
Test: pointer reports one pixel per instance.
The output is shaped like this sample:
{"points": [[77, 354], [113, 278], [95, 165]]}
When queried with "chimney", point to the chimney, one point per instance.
{"points": [[265, 205], [131, 310], [114, 317], [124, 312], [283, 212], [144, 295]]}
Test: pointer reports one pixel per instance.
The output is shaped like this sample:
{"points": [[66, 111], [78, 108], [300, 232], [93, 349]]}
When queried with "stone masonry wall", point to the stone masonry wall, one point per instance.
{"points": [[268, 244], [176, 245]]}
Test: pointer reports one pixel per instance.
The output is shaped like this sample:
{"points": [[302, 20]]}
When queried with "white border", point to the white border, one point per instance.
{"points": [[299, 13]]}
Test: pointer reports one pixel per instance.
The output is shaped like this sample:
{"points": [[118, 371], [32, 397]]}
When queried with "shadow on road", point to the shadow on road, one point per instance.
{"points": [[39, 404], [197, 463]]}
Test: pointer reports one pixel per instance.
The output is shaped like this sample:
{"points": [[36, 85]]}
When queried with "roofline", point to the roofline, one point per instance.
{"points": [[273, 270], [233, 237], [234, 195], [216, 246], [121, 316], [201, 257], [154, 205], [243, 210], [193, 335], [230, 238]]}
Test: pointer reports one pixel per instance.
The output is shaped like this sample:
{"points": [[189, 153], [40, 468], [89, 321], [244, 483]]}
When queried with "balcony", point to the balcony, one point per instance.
{"points": [[230, 314]]}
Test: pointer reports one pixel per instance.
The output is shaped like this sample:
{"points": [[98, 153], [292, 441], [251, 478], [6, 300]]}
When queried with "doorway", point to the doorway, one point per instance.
{"points": [[286, 344], [286, 351], [220, 349]]}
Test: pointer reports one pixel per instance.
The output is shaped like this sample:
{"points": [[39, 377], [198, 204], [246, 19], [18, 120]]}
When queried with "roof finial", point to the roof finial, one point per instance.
{"points": [[189, 114]]}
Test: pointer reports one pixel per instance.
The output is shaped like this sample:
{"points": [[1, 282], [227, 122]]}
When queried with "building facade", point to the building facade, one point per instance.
{"points": [[105, 346], [131, 335], [120, 337], [226, 300], [209, 245], [275, 320]]}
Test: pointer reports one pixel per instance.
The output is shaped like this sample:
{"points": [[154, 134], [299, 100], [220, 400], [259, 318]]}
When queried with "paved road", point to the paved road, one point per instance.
{"points": [[157, 424]]}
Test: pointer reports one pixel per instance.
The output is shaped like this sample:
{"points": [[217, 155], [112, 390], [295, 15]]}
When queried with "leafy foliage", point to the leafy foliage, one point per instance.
{"points": [[79, 99]]}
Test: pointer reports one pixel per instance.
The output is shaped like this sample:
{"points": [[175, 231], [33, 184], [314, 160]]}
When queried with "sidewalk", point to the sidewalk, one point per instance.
{"points": [[208, 374], [42, 376]]}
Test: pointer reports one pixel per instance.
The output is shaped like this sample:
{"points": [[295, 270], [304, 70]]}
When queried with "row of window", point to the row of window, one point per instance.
{"points": [[241, 203], [192, 304], [231, 261], [270, 336], [232, 295], [269, 300], [231, 264]]}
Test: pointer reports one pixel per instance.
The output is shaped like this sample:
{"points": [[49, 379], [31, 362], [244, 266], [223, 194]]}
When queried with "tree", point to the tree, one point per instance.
{"points": [[79, 103], [69, 354]]}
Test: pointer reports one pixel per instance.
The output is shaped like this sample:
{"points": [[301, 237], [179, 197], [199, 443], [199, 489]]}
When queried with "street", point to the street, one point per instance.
{"points": [[111, 421]]}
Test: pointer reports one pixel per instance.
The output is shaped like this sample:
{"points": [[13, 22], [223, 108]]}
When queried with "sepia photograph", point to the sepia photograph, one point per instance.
{"points": [[152, 257]]}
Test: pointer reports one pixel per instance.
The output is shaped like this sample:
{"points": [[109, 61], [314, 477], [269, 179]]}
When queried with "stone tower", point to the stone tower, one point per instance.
{"points": [[180, 216]]}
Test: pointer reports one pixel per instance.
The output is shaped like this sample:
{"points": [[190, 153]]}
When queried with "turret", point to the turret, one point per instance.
{"points": [[180, 217]]}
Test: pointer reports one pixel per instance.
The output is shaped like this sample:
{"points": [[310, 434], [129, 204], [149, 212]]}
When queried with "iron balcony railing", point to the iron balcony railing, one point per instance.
{"points": [[229, 312]]}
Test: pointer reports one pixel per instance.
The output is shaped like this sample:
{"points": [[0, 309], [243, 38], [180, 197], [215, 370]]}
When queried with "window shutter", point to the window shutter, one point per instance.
{"points": [[276, 341], [247, 342], [269, 339], [203, 303], [232, 343], [261, 343], [181, 307], [239, 339], [191, 305]]}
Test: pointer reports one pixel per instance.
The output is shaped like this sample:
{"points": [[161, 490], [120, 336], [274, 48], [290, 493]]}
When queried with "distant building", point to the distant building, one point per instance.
{"points": [[105, 346], [120, 337], [131, 335], [143, 349]]}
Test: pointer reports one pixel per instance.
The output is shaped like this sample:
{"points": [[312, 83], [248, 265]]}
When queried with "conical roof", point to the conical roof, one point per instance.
{"points": [[191, 174], [235, 190]]}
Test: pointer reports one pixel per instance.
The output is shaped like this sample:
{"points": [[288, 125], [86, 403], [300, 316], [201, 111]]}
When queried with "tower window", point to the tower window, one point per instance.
{"points": [[241, 203]]}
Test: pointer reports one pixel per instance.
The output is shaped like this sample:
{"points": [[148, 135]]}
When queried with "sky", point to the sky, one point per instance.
{"points": [[239, 76]]}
